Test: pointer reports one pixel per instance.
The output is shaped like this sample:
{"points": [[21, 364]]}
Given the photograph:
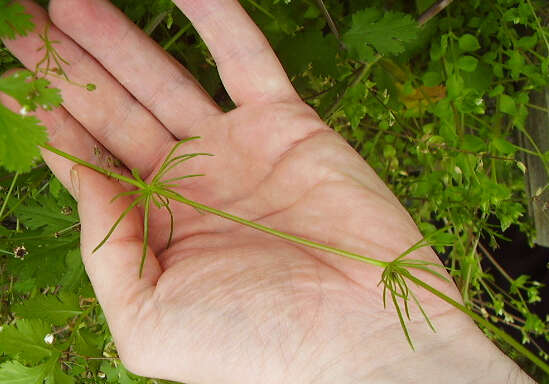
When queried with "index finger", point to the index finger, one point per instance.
{"points": [[247, 64]]}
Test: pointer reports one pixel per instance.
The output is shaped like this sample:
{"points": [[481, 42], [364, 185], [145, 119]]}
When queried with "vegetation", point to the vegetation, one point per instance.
{"points": [[435, 109]]}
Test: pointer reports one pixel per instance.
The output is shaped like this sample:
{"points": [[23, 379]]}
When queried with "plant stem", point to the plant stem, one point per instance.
{"points": [[271, 231], [433, 11], [155, 22], [329, 20], [96, 168], [479, 319], [538, 24], [177, 36], [263, 10], [5, 203]]}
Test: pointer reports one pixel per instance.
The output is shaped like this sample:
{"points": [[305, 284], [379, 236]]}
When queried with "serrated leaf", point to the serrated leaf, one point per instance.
{"points": [[13, 372], [20, 137], [116, 373], [14, 20], [31, 92], [43, 262], [25, 341], [57, 376], [74, 278], [387, 32], [47, 214], [56, 310]]}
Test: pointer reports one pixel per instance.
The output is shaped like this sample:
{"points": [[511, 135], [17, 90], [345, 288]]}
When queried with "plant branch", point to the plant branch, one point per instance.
{"points": [[483, 322], [295, 239], [329, 20], [96, 168], [433, 11]]}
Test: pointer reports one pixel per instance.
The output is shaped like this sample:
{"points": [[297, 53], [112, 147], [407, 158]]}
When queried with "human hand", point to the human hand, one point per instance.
{"points": [[225, 303]]}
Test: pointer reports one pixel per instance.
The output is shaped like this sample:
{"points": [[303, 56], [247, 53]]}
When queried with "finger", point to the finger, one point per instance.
{"points": [[114, 268], [109, 113], [247, 64], [65, 133], [157, 80]]}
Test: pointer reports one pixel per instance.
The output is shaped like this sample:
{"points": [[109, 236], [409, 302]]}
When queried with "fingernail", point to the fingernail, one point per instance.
{"points": [[75, 180]]}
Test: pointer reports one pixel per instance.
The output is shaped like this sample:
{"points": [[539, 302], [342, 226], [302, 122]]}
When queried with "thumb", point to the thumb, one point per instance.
{"points": [[114, 268]]}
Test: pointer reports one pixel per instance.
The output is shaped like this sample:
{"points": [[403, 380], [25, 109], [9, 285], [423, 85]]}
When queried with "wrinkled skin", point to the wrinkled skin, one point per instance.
{"points": [[225, 303]]}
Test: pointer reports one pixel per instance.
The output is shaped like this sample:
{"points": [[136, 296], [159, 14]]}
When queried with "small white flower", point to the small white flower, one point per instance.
{"points": [[24, 111], [479, 101], [48, 339], [101, 375]]}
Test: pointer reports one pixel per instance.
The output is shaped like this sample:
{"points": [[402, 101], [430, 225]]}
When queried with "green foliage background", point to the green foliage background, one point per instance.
{"points": [[434, 109]]}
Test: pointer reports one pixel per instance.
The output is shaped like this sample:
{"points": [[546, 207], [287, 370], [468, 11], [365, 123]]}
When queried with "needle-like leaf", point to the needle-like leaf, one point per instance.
{"points": [[122, 216]]}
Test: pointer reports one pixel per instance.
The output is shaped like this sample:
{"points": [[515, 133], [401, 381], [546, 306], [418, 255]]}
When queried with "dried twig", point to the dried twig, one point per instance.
{"points": [[433, 11]]}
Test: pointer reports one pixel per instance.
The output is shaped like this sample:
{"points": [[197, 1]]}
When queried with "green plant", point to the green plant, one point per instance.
{"points": [[434, 110]]}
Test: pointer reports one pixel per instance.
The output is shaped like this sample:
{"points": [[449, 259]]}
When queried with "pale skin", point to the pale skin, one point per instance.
{"points": [[226, 304]]}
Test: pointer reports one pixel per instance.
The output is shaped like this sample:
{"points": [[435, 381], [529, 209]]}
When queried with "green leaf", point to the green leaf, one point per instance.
{"points": [[46, 213], [387, 32], [14, 20], [507, 104], [20, 137], [314, 49], [56, 310], [503, 146], [473, 144], [25, 341], [30, 92], [468, 43], [527, 42], [117, 373], [13, 372], [467, 63], [515, 63]]}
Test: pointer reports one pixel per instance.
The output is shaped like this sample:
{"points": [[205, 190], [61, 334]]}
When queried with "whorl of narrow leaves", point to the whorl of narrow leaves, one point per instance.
{"points": [[13, 20], [386, 32]]}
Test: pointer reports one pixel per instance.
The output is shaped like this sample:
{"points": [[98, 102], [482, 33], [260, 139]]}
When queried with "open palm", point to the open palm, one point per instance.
{"points": [[225, 303]]}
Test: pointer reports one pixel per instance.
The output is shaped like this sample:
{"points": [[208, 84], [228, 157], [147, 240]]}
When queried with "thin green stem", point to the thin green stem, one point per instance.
{"points": [[295, 239], [539, 108], [329, 20], [176, 37], [538, 24], [96, 168], [10, 191], [483, 322], [263, 10]]}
